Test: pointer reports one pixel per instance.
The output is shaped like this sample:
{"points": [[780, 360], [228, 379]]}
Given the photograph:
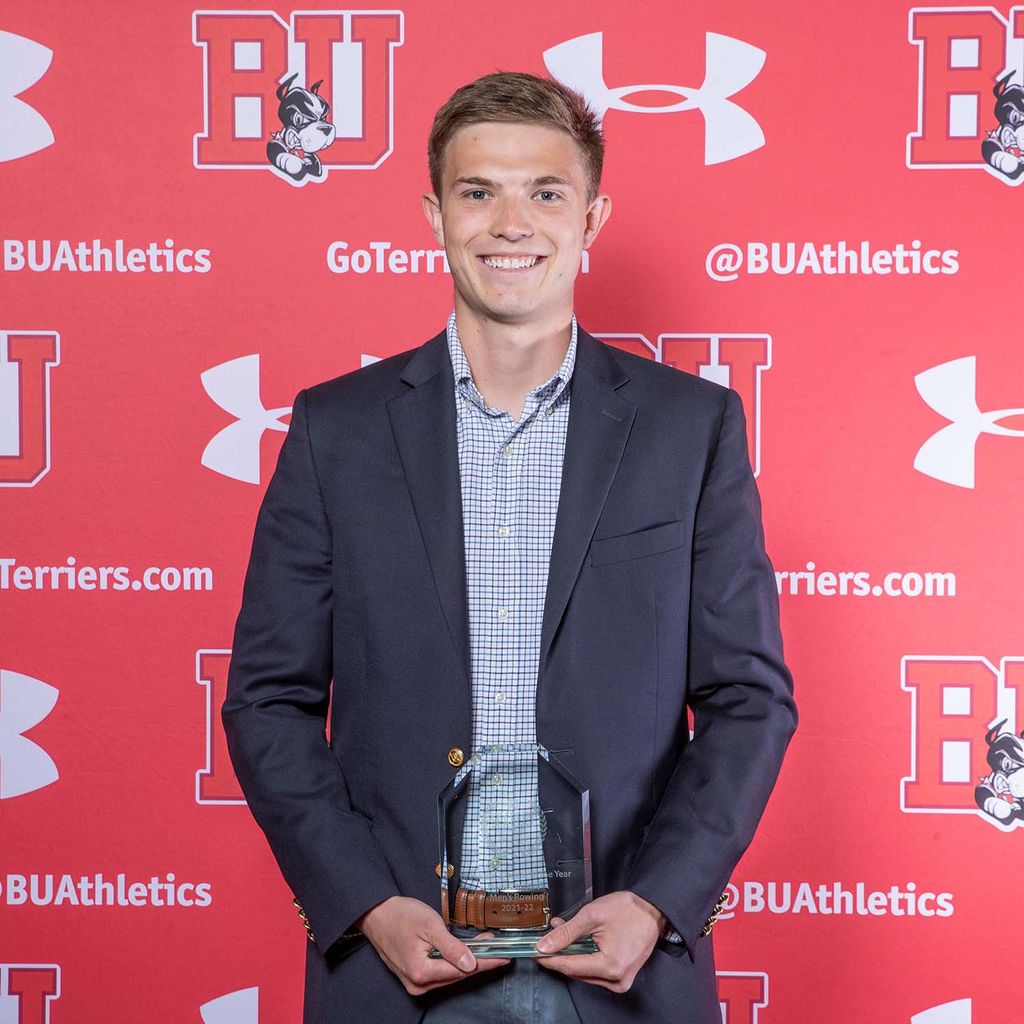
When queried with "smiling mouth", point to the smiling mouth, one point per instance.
{"points": [[499, 262]]}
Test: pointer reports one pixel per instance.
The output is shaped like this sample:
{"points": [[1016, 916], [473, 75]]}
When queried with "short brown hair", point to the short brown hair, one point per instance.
{"points": [[517, 97]]}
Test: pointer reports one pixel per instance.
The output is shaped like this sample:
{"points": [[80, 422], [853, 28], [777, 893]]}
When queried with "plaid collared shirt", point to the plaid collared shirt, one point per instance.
{"points": [[511, 475]]}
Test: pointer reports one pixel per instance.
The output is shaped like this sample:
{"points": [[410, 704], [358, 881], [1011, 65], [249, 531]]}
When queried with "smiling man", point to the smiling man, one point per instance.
{"points": [[512, 534]]}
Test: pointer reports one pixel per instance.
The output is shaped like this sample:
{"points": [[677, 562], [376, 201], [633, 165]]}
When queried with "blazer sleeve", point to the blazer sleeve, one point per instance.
{"points": [[741, 693], [277, 699]]}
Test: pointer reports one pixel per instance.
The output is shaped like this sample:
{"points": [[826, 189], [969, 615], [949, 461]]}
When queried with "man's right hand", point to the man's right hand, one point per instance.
{"points": [[404, 930]]}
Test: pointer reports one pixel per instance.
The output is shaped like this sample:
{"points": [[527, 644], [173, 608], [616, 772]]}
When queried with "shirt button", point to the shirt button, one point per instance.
{"points": [[550, 410], [496, 779], [499, 698], [502, 613], [504, 531], [507, 451], [495, 862]]}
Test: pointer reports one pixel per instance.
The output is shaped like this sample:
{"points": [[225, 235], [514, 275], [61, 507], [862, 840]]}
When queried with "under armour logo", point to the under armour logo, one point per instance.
{"points": [[22, 64], [957, 1012], [948, 455], [730, 65], [241, 1007], [24, 765], [235, 451], [235, 386]]}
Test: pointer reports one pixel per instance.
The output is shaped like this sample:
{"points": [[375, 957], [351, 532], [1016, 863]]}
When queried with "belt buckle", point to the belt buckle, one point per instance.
{"points": [[525, 928]]}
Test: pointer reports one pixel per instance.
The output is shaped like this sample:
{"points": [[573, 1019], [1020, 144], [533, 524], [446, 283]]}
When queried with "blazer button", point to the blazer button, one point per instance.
{"points": [[456, 757], [450, 872]]}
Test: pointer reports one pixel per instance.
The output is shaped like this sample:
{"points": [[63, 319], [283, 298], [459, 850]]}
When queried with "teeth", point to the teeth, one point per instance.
{"points": [[509, 262]]}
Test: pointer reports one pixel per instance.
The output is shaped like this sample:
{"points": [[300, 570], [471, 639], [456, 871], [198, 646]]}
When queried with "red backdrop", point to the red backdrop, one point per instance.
{"points": [[809, 218]]}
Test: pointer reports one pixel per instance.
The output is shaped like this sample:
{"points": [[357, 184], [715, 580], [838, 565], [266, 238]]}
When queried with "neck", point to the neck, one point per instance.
{"points": [[508, 359]]}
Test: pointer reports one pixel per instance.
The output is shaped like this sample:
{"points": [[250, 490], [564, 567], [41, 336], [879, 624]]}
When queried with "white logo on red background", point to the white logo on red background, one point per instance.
{"points": [[26, 992], [341, 61], [733, 360], [741, 995], [949, 454], [963, 52], [957, 1012], [234, 451], [241, 1007], [22, 63], [26, 358], [234, 386], [965, 748], [215, 781], [24, 765], [729, 66]]}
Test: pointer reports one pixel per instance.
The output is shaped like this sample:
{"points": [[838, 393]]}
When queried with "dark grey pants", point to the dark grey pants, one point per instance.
{"points": [[522, 992]]}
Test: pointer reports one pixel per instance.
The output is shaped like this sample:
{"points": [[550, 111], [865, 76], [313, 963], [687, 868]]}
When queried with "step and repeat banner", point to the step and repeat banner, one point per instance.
{"points": [[814, 204]]}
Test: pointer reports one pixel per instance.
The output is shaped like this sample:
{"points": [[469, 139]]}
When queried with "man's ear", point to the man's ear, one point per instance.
{"points": [[597, 213], [432, 211]]}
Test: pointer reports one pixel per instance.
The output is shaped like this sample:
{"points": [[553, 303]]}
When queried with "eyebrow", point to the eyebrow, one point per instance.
{"points": [[547, 179]]}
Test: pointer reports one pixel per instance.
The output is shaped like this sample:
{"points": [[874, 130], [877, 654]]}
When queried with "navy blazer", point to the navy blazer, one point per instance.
{"points": [[660, 595]]}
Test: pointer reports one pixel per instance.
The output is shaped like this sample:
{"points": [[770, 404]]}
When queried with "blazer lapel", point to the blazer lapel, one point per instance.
{"points": [[599, 424], [423, 423]]}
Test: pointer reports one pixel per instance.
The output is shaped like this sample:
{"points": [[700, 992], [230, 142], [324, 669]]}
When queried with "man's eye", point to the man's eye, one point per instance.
{"points": [[477, 193], [547, 195]]}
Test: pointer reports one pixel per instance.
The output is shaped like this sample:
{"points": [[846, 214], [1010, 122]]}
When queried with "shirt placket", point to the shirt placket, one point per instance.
{"points": [[503, 846], [499, 711]]}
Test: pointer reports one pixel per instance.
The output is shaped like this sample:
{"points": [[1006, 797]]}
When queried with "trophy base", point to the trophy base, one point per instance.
{"points": [[521, 944]]}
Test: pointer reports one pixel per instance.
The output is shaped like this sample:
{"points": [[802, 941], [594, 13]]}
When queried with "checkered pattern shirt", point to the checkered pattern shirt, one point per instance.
{"points": [[511, 475]]}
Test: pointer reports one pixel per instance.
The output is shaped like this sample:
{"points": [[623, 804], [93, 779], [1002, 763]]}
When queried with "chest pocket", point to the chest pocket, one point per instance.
{"points": [[627, 546]]}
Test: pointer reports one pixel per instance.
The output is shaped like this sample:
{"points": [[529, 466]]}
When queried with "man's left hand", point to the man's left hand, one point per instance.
{"points": [[625, 927]]}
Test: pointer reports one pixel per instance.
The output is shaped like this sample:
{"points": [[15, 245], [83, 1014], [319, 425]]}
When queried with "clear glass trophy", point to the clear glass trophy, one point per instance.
{"points": [[514, 843]]}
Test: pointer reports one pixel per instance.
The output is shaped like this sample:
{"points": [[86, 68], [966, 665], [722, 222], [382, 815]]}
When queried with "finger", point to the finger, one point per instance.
{"points": [[431, 974], [453, 951], [560, 936]]}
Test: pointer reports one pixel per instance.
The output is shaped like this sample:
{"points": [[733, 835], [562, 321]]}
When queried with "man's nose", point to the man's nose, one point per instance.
{"points": [[511, 218]]}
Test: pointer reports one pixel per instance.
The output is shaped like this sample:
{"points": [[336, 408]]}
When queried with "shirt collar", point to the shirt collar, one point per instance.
{"points": [[545, 394]]}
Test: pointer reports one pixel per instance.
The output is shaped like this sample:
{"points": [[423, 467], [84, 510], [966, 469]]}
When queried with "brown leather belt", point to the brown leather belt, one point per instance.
{"points": [[477, 908]]}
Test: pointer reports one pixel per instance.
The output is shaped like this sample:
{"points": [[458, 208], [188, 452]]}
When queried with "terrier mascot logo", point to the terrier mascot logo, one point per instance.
{"points": [[1000, 794], [305, 131], [1003, 147]]}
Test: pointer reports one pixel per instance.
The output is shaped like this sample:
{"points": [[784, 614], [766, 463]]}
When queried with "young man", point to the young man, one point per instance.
{"points": [[604, 568]]}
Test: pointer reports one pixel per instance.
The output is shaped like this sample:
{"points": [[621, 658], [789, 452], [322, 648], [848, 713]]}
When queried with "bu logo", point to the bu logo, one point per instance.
{"points": [[22, 63], [740, 995], [966, 756], [733, 360], [296, 98], [216, 783], [970, 100], [730, 65], [949, 454], [241, 1007], [25, 361], [24, 765], [26, 992], [235, 451]]}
